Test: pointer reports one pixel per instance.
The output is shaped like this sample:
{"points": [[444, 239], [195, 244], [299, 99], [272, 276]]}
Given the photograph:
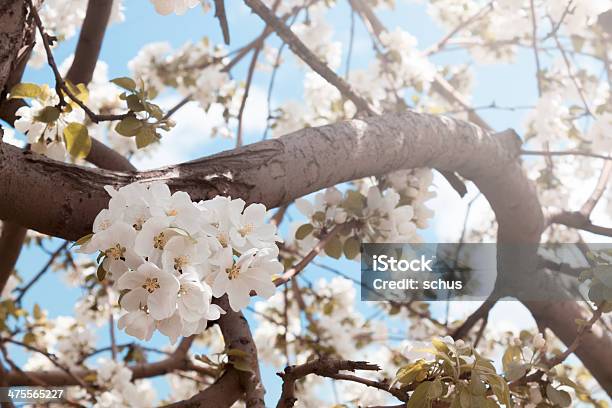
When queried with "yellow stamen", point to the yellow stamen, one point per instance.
{"points": [[151, 284], [233, 272], [179, 262], [159, 241], [247, 229], [117, 252]]}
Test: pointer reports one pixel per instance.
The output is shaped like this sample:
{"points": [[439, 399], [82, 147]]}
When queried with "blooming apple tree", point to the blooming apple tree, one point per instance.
{"points": [[189, 250]]}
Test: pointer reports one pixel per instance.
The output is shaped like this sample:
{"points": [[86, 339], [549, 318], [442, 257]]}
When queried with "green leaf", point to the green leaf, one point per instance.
{"points": [[101, 273], [26, 90], [334, 248], [516, 371], [303, 231], [48, 114], [420, 396], [319, 216], [145, 136], [134, 104], [154, 110], [512, 354], [352, 248], [83, 240], [125, 83], [604, 274], [29, 338], [436, 389], [476, 386], [237, 353], [129, 126], [410, 373], [78, 142], [558, 397], [354, 202]]}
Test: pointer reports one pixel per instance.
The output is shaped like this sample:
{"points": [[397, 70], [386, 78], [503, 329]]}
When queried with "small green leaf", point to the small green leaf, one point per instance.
{"points": [[48, 114], [125, 83], [26, 90], [351, 248], [354, 202], [319, 216], [145, 136], [516, 371], [154, 110], [512, 354], [101, 273], [128, 126], [558, 397], [237, 353], [78, 142], [134, 104], [419, 397], [303, 231], [83, 240], [29, 338], [334, 248]]}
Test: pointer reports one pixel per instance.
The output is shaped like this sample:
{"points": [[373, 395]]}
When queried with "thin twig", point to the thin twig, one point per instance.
{"points": [[60, 84], [564, 153], [23, 290], [297, 268]]}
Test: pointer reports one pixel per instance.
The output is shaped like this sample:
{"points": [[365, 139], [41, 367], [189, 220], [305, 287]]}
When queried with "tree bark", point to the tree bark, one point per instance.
{"points": [[12, 36], [62, 199]]}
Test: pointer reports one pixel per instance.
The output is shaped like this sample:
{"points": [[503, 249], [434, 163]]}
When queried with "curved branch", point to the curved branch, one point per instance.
{"points": [[62, 200], [178, 360], [321, 367], [237, 335], [221, 394], [11, 239]]}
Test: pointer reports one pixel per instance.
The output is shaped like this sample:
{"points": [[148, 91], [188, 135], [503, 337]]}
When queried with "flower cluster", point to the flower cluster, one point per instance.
{"points": [[44, 123], [196, 70], [389, 210], [169, 256]]}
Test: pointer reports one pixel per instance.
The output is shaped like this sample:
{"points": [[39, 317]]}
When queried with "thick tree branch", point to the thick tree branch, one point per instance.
{"points": [[223, 393], [90, 41], [13, 33], [62, 200], [237, 335], [11, 239]]}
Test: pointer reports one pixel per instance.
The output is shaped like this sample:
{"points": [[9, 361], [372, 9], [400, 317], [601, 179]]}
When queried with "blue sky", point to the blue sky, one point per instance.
{"points": [[506, 84]]}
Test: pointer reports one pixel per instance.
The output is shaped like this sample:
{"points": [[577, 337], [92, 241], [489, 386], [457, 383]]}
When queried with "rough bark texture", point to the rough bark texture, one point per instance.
{"points": [[12, 35], [62, 199], [11, 239], [237, 336]]}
